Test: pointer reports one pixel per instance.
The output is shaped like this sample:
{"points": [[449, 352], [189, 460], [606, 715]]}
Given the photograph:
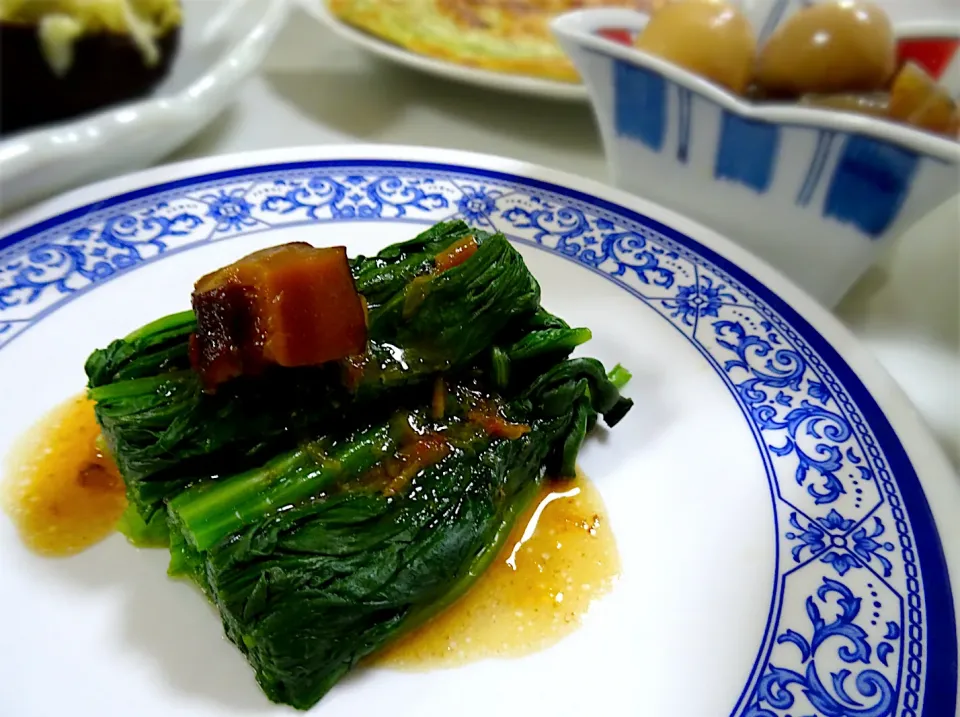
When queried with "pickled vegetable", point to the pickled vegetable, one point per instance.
{"points": [[916, 99]]}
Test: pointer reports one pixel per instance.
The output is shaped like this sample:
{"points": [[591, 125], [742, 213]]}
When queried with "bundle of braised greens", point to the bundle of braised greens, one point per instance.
{"points": [[335, 449]]}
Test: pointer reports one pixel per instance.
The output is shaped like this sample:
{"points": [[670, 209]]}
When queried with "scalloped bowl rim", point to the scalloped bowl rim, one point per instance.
{"points": [[579, 27]]}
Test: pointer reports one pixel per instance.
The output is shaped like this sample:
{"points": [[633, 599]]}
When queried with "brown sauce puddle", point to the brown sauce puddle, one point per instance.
{"points": [[61, 492], [559, 558], [64, 495]]}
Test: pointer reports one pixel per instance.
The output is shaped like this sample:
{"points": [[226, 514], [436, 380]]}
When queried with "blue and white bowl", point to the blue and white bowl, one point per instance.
{"points": [[817, 193]]}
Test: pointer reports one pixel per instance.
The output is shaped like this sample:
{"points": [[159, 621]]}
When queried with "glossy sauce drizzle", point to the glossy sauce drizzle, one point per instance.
{"points": [[62, 493], [560, 557]]}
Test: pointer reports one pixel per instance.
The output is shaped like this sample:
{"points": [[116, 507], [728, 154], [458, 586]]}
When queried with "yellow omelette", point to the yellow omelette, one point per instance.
{"points": [[501, 35]]}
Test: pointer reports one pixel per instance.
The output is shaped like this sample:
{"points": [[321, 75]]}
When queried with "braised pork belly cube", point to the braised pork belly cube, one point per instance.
{"points": [[291, 305]]}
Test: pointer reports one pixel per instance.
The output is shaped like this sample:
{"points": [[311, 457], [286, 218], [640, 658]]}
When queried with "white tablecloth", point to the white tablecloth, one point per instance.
{"points": [[317, 89]]}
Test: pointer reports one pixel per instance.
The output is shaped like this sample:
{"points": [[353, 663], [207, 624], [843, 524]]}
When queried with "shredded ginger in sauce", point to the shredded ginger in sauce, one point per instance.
{"points": [[559, 558], [61, 491]]}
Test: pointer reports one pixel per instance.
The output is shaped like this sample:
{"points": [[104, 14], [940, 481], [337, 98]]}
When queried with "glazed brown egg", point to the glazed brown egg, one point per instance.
{"points": [[830, 47], [712, 39]]}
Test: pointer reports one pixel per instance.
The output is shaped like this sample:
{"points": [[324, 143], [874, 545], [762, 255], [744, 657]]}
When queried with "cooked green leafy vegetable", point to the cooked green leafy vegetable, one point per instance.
{"points": [[164, 432], [326, 510]]}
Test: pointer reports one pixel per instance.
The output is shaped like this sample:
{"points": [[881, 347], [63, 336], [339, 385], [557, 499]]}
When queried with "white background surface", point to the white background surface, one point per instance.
{"points": [[317, 89]]}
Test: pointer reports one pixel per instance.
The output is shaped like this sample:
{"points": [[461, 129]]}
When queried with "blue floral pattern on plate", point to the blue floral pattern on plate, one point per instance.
{"points": [[845, 547]]}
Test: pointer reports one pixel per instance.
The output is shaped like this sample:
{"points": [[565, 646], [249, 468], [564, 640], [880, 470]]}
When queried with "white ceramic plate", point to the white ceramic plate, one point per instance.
{"points": [[223, 41], [515, 84], [780, 511]]}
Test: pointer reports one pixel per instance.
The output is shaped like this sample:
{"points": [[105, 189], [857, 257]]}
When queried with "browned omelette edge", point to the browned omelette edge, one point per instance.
{"points": [[558, 69]]}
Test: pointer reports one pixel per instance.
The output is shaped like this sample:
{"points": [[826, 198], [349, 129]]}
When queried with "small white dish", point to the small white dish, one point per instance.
{"points": [[786, 525], [501, 81], [222, 44], [816, 193]]}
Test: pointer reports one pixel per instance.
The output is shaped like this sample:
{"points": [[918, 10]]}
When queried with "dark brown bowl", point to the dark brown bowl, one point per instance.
{"points": [[107, 69]]}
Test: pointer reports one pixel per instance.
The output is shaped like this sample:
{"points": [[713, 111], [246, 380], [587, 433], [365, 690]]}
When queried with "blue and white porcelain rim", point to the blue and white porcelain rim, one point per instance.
{"points": [[927, 493]]}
